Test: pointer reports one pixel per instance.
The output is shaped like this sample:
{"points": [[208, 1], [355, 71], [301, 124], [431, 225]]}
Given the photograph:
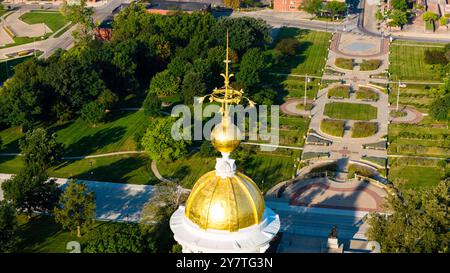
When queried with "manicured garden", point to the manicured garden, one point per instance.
{"points": [[54, 20], [333, 127], [364, 93], [341, 91], [364, 129], [344, 63], [368, 65], [416, 176], [354, 111]]}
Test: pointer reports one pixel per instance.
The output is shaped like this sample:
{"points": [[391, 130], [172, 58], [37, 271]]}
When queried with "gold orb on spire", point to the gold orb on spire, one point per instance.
{"points": [[225, 136]]}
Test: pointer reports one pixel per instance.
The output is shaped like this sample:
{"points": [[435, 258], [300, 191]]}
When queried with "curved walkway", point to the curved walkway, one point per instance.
{"points": [[290, 107], [337, 47], [412, 115]]}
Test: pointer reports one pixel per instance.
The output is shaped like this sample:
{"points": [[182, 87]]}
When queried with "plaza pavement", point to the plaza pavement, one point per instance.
{"points": [[22, 29]]}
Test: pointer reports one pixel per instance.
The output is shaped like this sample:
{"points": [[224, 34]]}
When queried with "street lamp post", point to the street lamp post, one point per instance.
{"points": [[306, 83], [398, 94]]}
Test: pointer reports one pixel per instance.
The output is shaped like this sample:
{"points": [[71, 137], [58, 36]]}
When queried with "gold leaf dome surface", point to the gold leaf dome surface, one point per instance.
{"points": [[225, 136], [227, 204]]}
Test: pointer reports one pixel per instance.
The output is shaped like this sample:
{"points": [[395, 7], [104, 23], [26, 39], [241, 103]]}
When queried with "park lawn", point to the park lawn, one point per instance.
{"points": [[416, 176], [312, 51], [407, 63], [54, 20], [79, 138], [342, 91], [333, 127], [130, 169], [41, 234], [354, 111], [288, 87], [364, 93], [364, 129]]}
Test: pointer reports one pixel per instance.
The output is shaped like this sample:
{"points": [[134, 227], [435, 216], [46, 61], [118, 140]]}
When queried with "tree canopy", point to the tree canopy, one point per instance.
{"points": [[418, 221], [76, 210]]}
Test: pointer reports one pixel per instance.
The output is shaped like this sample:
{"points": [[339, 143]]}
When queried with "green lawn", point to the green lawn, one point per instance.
{"points": [[79, 138], [416, 176], [407, 63], [42, 235], [131, 169], [355, 111], [416, 95], [54, 20], [313, 50], [289, 87], [332, 127]]}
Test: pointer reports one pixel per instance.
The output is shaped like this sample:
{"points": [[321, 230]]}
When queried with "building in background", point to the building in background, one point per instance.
{"points": [[165, 7]]}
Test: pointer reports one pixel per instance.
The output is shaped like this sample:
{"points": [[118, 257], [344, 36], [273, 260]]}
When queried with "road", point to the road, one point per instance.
{"points": [[65, 41]]}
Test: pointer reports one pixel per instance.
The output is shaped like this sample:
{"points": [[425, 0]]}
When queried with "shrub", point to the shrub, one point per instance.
{"points": [[360, 170], [397, 114], [93, 113], [364, 129]]}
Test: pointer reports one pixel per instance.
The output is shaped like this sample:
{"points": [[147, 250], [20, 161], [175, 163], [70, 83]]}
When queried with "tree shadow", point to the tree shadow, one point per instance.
{"points": [[120, 171], [36, 231], [89, 144]]}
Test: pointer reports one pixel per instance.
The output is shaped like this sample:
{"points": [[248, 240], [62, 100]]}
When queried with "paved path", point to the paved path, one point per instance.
{"points": [[22, 29], [290, 107], [114, 201], [412, 115]]}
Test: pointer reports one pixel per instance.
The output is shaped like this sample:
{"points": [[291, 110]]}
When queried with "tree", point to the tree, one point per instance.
{"points": [[164, 84], [25, 95], [156, 213], [379, 15], [82, 16], [336, 8], [76, 209], [440, 108], [287, 46], [443, 21], [40, 148], [152, 105], [192, 86], [418, 221], [207, 150], [251, 68], [401, 5], [107, 99], [398, 18], [312, 6], [430, 16], [244, 33], [93, 113], [117, 238], [159, 143], [234, 4], [8, 227], [30, 190]]}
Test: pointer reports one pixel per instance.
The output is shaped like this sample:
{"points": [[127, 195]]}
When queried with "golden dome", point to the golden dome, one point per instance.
{"points": [[225, 136], [225, 203]]}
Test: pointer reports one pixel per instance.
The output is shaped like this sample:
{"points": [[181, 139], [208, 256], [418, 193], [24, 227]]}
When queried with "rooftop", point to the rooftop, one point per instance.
{"points": [[181, 6]]}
